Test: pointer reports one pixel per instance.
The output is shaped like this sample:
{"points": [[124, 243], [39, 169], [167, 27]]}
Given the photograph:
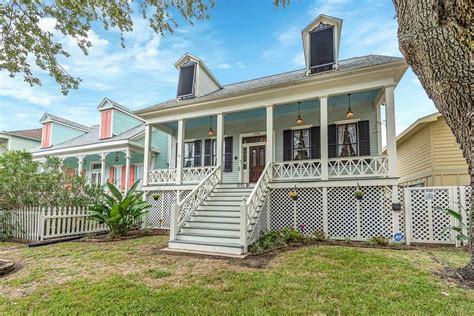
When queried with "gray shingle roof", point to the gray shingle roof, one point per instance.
{"points": [[93, 138], [120, 106], [68, 122], [287, 77]]}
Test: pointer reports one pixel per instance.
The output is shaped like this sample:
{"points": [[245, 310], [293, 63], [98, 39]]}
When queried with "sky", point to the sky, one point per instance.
{"points": [[243, 39]]}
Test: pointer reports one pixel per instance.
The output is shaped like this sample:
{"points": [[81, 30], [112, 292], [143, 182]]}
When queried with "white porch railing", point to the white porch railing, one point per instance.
{"points": [[196, 174], [293, 170], [183, 210], [358, 167], [170, 176], [251, 207]]}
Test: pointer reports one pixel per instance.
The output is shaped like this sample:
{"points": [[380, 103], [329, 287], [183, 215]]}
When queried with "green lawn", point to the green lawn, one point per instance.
{"points": [[134, 277]]}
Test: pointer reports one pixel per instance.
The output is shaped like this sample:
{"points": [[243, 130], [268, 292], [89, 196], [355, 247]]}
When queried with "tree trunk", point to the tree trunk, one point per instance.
{"points": [[435, 38]]}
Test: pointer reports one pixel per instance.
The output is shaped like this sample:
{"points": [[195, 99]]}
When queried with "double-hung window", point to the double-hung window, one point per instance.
{"points": [[210, 152], [189, 154], [301, 144], [347, 140]]}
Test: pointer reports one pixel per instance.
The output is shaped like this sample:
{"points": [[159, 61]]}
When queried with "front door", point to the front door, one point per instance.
{"points": [[257, 162]]}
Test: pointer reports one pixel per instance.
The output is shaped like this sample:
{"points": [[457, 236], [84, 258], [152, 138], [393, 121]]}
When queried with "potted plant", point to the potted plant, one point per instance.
{"points": [[293, 195], [359, 194], [155, 196]]}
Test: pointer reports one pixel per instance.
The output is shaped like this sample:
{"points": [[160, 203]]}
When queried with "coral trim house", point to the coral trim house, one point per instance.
{"points": [[111, 151], [428, 154], [20, 140], [238, 149]]}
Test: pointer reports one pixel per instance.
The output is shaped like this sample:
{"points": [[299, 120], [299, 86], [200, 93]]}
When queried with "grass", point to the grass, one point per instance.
{"points": [[133, 277]]}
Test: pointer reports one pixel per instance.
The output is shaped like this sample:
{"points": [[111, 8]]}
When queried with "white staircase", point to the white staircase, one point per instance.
{"points": [[215, 225]]}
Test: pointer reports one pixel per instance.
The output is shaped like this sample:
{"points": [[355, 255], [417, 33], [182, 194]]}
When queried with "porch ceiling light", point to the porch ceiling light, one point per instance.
{"points": [[349, 113], [210, 132], [299, 120], [116, 157]]}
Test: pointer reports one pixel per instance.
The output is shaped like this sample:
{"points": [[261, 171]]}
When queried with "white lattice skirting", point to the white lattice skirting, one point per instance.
{"points": [[336, 212]]}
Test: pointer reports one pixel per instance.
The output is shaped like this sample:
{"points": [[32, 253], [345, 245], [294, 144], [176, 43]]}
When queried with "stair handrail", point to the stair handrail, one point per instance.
{"points": [[182, 211], [250, 206]]}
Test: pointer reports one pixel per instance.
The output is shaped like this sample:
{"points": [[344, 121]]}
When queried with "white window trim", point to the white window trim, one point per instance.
{"points": [[301, 127], [344, 122]]}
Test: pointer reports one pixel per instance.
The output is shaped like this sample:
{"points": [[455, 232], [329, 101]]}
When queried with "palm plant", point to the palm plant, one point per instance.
{"points": [[119, 212]]}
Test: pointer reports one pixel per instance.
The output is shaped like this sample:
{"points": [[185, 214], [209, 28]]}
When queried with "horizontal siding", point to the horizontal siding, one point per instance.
{"points": [[123, 122], [414, 155], [446, 152], [205, 84], [61, 133], [19, 143]]}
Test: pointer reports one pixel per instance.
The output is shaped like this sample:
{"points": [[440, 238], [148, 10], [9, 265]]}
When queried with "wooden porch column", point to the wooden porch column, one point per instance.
{"points": [[180, 150], [220, 142], [269, 148], [80, 163], [391, 134], [146, 154], [323, 109], [127, 169], [379, 129], [102, 168]]}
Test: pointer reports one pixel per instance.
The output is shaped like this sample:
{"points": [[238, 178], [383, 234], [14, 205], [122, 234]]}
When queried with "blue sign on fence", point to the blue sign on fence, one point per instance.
{"points": [[398, 236]]}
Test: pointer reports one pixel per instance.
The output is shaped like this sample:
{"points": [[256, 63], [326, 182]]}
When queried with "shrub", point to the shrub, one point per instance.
{"points": [[6, 229], [319, 235], [380, 240], [277, 238], [120, 213]]}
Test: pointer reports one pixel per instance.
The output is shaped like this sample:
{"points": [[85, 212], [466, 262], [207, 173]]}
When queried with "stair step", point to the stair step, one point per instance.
{"points": [[230, 193], [212, 225], [215, 219], [215, 213], [222, 202], [235, 185], [208, 238], [211, 232], [227, 207], [245, 190], [208, 247], [218, 198]]}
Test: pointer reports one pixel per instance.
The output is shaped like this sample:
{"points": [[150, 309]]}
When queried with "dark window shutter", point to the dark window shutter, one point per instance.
{"points": [[186, 80], [332, 140], [364, 138], [228, 154], [315, 142], [207, 152], [287, 135], [197, 153], [322, 47]]}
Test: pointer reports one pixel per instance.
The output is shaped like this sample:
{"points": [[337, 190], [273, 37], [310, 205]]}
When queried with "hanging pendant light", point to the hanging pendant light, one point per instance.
{"points": [[116, 156], [299, 120], [349, 113], [210, 132]]}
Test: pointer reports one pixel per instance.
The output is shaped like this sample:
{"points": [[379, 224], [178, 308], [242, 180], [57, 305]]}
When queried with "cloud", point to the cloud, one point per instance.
{"points": [[330, 7], [298, 60], [223, 66], [17, 89]]}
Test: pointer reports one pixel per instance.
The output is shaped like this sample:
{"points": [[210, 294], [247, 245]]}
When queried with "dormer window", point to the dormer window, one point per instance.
{"points": [[321, 40], [186, 81], [322, 48]]}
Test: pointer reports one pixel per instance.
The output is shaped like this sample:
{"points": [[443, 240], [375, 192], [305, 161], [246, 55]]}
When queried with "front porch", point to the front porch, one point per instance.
{"points": [[307, 140]]}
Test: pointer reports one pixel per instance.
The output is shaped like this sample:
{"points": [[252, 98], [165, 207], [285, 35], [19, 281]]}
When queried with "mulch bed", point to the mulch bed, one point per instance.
{"points": [[107, 237]]}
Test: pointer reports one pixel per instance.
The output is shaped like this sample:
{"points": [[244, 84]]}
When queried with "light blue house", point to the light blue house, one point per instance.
{"points": [[111, 151], [20, 140]]}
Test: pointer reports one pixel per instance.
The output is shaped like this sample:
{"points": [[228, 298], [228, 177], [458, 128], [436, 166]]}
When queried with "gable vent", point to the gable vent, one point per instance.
{"points": [[186, 83], [322, 49]]}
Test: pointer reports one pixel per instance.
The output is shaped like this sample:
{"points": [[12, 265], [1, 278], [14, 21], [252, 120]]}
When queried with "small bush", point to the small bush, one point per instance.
{"points": [[379, 240], [6, 229], [277, 238], [319, 235]]}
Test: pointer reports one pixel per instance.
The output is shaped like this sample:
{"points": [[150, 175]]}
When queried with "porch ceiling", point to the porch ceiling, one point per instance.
{"points": [[368, 96]]}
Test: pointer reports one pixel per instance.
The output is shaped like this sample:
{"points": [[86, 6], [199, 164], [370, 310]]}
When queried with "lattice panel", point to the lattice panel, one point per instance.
{"points": [[159, 215], [420, 216], [281, 209], [261, 225], [309, 210], [342, 212], [401, 199], [441, 220], [375, 212]]}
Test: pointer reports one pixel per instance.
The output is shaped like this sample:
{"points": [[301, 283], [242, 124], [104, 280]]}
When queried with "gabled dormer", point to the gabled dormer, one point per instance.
{"points": [[321, 40], [195, 79], [115, 119], [57, 130]]}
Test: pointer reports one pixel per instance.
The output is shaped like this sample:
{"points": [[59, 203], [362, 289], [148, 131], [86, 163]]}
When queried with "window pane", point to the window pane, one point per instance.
{"points": [[301, 144], [347, 140]]}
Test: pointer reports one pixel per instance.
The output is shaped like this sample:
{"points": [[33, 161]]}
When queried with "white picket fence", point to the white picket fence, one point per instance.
{"points": [[41, 223]]}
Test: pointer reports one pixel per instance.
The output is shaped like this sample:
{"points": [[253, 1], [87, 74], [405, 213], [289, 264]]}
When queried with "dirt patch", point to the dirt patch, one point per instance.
{"points": [[130, 235]]}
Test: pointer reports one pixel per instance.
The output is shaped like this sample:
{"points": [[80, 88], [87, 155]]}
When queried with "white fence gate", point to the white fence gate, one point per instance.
{"points": [[40, 223], [425, 222]]}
